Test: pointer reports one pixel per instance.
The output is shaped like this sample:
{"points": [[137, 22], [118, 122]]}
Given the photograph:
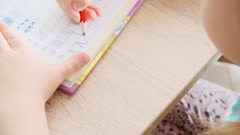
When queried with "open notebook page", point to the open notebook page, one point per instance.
{"points": [[55, 36]]}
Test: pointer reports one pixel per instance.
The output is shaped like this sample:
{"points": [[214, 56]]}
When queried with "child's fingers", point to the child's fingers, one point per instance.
{"points": [[91, 14], [73, 64], [72, 9], [66, 7], [97, 10], [79, 5], [4, 46], [11, 37]]}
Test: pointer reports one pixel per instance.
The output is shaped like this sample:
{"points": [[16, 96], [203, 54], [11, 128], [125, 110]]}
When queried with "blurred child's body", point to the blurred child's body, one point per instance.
{"points": [[205, 103]]}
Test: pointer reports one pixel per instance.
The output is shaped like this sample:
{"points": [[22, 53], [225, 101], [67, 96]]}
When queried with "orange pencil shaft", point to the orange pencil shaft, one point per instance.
{"points": [[83, 16], [83, 20]]}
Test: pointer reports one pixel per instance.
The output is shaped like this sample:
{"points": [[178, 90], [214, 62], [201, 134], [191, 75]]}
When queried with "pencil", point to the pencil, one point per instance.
{"points": [[83, 20]]}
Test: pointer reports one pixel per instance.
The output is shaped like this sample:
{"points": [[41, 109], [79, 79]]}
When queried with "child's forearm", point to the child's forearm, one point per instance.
{"points": [[23, 117], [221, 19]]}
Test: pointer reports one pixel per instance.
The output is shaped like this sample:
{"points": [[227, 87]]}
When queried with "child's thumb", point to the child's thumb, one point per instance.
{"points": [[73, 64]]}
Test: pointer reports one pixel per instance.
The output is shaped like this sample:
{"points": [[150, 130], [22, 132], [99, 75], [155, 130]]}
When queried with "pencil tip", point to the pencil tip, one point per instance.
{"points": [[84, 34]]}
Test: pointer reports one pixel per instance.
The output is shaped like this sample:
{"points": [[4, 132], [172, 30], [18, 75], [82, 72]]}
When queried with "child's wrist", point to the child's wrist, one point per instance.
{"points": [[18, 103], [27, 115]]}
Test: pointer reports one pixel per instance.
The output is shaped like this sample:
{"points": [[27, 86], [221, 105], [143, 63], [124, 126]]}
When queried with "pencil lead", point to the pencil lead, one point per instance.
{"points": [[84, 34]]}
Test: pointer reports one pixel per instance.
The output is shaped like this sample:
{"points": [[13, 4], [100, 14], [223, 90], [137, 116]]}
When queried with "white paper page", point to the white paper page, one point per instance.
{"points": [[52, 34]]}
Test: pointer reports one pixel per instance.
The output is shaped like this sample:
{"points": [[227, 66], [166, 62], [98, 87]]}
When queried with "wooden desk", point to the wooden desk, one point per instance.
{"points": [[152, 64]]}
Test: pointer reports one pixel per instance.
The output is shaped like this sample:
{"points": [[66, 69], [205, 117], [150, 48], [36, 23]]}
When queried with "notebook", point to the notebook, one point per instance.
{"points": [[55, 37]]}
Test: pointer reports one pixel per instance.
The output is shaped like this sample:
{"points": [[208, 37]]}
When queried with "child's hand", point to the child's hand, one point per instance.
{"points": [[23, 74], [72, 8], [27, 82]]}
